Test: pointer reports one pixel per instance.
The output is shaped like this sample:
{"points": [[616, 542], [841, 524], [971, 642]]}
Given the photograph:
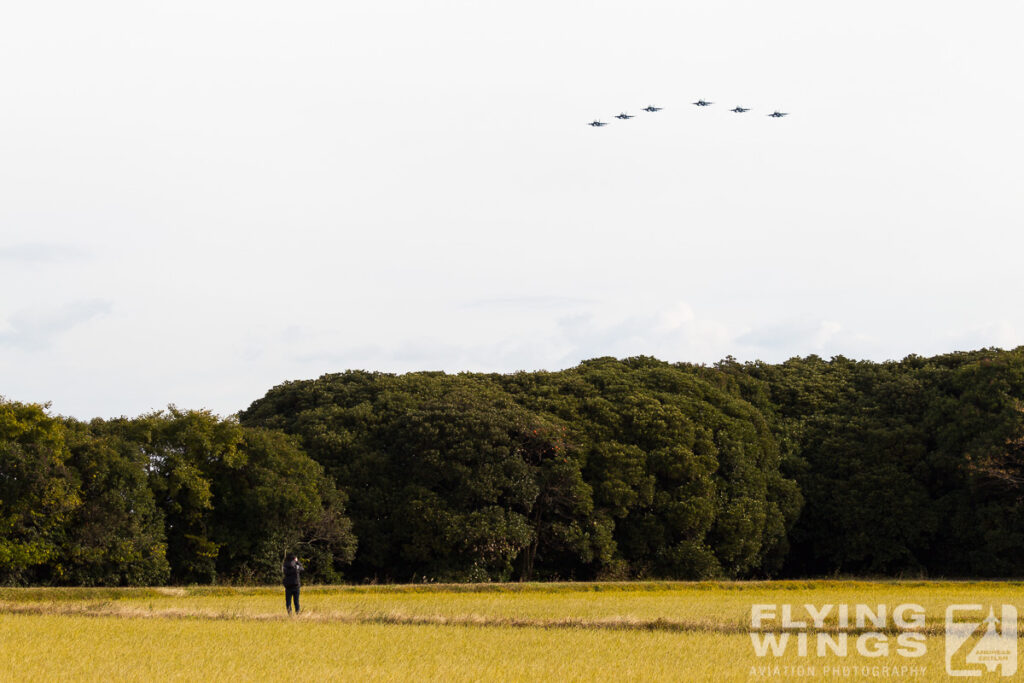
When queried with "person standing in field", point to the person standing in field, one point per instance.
{"points": [[292, 570]]}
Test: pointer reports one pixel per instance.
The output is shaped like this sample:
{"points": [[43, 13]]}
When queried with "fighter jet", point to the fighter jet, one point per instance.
{"points": [[702, 103], [653, 108], [597, 124], [778, 114], [625, 116], [739, 110]]}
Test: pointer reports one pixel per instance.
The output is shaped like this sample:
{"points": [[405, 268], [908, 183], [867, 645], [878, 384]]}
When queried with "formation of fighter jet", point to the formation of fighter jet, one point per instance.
{"points": [[700, 103]]}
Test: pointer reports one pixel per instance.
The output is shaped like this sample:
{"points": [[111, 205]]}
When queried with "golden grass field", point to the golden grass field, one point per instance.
{"points": [[522, 632]]}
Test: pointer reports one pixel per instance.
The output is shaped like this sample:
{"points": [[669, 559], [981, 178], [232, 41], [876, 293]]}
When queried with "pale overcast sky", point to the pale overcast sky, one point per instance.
{"points": [[200, 200]]}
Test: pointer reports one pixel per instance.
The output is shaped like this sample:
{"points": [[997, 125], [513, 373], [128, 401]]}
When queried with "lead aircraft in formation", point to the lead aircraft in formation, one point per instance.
{"points": [[699, 103]]}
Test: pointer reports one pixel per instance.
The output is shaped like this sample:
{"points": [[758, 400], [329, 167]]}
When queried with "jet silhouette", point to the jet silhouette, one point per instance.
{"points": [[778, 114], [739, 110], [652, 108], [702, 103], [597, 124], [625, 116]]}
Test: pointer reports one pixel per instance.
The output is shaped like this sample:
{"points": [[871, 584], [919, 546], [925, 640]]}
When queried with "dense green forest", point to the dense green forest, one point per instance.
{"points": [[614, 469]]}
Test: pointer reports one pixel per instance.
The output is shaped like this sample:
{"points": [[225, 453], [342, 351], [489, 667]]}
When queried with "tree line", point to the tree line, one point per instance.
{"points": [[613, 469]]}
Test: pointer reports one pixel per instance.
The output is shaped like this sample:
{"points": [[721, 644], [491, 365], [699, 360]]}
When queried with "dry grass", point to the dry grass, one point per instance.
{"points": [[646, 631]]}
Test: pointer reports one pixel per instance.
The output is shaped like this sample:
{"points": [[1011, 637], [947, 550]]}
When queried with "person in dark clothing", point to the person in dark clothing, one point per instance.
{"points": [[292, 570]]}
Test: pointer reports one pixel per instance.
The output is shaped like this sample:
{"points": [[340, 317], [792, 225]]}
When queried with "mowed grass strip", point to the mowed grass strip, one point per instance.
{"points": [[128, 611]]}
